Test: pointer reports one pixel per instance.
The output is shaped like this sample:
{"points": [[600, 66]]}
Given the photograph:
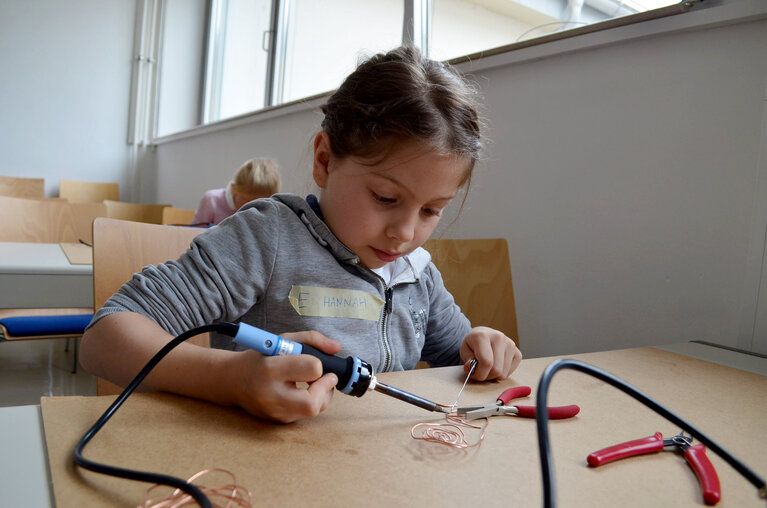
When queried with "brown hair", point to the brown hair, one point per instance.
{"points": [[402, 95], [258, 175]]}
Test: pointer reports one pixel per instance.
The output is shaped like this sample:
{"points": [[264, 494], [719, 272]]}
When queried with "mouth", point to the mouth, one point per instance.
{"points": [[385, 256]]}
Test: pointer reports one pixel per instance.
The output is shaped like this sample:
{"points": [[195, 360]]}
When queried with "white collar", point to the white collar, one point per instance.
{"points": [[405, 268]]}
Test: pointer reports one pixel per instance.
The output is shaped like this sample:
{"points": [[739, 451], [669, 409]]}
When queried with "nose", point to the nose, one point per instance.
{"points": [[402, 227]]}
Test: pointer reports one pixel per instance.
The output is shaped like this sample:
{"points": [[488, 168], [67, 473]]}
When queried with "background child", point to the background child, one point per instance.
{"points": [[257, 178], [399, 139]]}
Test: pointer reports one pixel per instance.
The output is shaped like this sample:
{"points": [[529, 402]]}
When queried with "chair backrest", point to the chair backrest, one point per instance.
{"points": [[88, 192], [478, 274], [22, 187], [177, 216], [122, 248], [47, 221], [135, 212]]}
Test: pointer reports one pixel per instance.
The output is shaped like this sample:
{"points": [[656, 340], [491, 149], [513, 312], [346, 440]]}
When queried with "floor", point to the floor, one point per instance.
{"points": [[31, 369]]}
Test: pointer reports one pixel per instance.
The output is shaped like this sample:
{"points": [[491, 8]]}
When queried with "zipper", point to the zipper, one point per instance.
{"points": [[384, 325]]}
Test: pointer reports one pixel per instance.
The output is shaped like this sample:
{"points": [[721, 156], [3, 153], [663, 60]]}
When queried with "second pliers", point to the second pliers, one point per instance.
{"points": [[695, 455]]}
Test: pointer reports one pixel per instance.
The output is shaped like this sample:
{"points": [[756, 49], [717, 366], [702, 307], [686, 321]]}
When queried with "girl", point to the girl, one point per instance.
{"points": [[257, 178], [399, 140]]}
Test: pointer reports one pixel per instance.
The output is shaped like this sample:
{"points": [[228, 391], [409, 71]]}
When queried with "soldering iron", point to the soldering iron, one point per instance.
{"points": [[355, 376]]}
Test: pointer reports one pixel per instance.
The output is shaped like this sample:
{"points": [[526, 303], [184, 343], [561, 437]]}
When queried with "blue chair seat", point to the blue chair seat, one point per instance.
{"points": [[32, 326], [47, 326]]}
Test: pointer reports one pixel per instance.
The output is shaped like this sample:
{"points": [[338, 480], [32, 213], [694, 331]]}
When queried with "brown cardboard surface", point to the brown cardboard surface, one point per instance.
{"points": [[78, 253], [360, 453]]}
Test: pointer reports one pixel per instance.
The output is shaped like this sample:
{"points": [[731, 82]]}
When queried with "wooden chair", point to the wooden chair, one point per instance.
{"points": [[22, 187], [135, 212], [88, 192], [122, 248], [177, 216], [47, 221], [478, 274]]}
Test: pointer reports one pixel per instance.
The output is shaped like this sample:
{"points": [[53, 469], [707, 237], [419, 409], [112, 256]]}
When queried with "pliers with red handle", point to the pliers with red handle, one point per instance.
{"points": [[501, 408], [694, 454]]}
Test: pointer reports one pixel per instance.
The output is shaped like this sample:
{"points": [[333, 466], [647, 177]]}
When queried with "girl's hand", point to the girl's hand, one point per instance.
{"points": [[265, 386], [497, 355]]}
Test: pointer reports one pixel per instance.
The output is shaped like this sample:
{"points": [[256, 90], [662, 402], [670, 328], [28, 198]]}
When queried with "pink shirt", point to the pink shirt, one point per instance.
{"points": [[215, 206]]}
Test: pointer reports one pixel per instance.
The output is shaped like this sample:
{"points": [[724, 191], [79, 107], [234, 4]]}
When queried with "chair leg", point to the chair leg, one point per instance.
{"points": [[74, 356]]}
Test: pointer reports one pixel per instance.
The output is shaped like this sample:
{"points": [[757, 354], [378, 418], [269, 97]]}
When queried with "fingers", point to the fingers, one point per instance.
{"points": [[270, 390], [296, 403], [295, 369], [497, 355], [483, 353]]}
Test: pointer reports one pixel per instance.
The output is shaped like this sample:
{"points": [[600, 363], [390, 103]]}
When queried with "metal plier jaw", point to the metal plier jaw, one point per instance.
{"points": [[695, 455], [501, 407]]}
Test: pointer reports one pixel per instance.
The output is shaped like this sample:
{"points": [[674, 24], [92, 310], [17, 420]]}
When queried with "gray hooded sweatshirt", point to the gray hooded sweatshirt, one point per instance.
{"points": [[276, 265]]}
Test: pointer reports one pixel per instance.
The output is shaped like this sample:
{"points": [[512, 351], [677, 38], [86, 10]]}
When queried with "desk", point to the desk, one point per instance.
{"points": [[35, 275], [24, 480], [360, 450]]}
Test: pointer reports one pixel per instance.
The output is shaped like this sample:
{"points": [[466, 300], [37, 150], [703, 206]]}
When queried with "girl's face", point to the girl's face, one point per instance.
{"points": [[388, 209]]}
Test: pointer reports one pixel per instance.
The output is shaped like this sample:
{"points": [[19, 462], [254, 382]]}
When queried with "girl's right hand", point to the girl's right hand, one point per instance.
{"points": [[265, 386]]}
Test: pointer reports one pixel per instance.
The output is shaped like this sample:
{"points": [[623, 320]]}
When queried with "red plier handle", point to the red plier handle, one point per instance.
{"points": [[694, 455], [514, 392], [628, 449], [704, 470], [555, 413]]}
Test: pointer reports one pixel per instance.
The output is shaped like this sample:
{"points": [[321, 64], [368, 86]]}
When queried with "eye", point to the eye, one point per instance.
{"points": [[383, 199], [432, 212]]}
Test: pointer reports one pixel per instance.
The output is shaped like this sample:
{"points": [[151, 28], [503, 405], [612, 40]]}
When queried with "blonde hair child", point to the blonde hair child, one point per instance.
{"points": [[257, 178]]}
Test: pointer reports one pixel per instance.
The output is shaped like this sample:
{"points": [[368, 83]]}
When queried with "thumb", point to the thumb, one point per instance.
{"points": [[315, 339]]}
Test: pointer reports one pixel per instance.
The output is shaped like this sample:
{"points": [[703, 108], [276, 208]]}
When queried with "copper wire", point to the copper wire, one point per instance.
{"points": [[451, 432], [234, 495]]}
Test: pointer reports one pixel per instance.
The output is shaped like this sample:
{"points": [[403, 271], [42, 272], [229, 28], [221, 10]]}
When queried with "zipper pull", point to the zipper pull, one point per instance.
{"points": [[388, 304]]}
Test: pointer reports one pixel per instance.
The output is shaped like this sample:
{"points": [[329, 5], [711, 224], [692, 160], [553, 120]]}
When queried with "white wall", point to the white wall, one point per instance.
{"points": [[622, 167], [65, 89]]}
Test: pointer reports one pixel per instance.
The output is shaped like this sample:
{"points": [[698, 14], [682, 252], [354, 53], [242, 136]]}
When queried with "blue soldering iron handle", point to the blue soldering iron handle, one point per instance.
{"points": [[354, 375]]}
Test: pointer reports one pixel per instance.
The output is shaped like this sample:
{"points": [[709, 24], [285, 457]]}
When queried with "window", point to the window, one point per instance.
{"points": [[464, 27], [238, 45], [326, 39], [224, 58]]}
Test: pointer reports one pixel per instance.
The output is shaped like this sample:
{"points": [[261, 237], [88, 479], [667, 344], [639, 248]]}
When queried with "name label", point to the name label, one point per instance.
{"points": [[332, 302]]}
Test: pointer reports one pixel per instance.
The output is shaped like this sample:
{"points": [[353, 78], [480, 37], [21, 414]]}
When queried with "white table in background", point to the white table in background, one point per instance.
{"points": [[35, 275]]}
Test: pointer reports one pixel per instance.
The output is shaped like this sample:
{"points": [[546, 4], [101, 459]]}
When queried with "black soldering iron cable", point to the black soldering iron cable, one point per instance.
{"points": [[162, 479], [544, 447]]}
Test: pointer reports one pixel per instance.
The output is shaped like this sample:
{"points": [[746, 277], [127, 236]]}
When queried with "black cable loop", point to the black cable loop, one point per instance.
{"points": [[162, 479]]}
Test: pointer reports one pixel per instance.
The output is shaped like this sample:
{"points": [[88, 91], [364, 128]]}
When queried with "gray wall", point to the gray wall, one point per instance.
{"points": [[65, 90], [622, 167]]}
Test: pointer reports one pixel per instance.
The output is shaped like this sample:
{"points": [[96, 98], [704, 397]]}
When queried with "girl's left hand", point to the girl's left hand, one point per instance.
{"points": [[497, 355]]}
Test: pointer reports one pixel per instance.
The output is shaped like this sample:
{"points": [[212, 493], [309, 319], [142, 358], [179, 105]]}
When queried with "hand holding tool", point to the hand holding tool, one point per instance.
{"points": [[501, 408], [355, 376], [695, 455]]}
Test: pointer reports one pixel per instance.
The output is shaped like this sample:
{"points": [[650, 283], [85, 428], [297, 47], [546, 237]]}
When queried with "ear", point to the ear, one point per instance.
{"points": [[322, 157]]}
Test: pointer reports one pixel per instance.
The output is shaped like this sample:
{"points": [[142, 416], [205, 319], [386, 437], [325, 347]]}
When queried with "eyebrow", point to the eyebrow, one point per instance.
{"points": [[400, 184]]}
